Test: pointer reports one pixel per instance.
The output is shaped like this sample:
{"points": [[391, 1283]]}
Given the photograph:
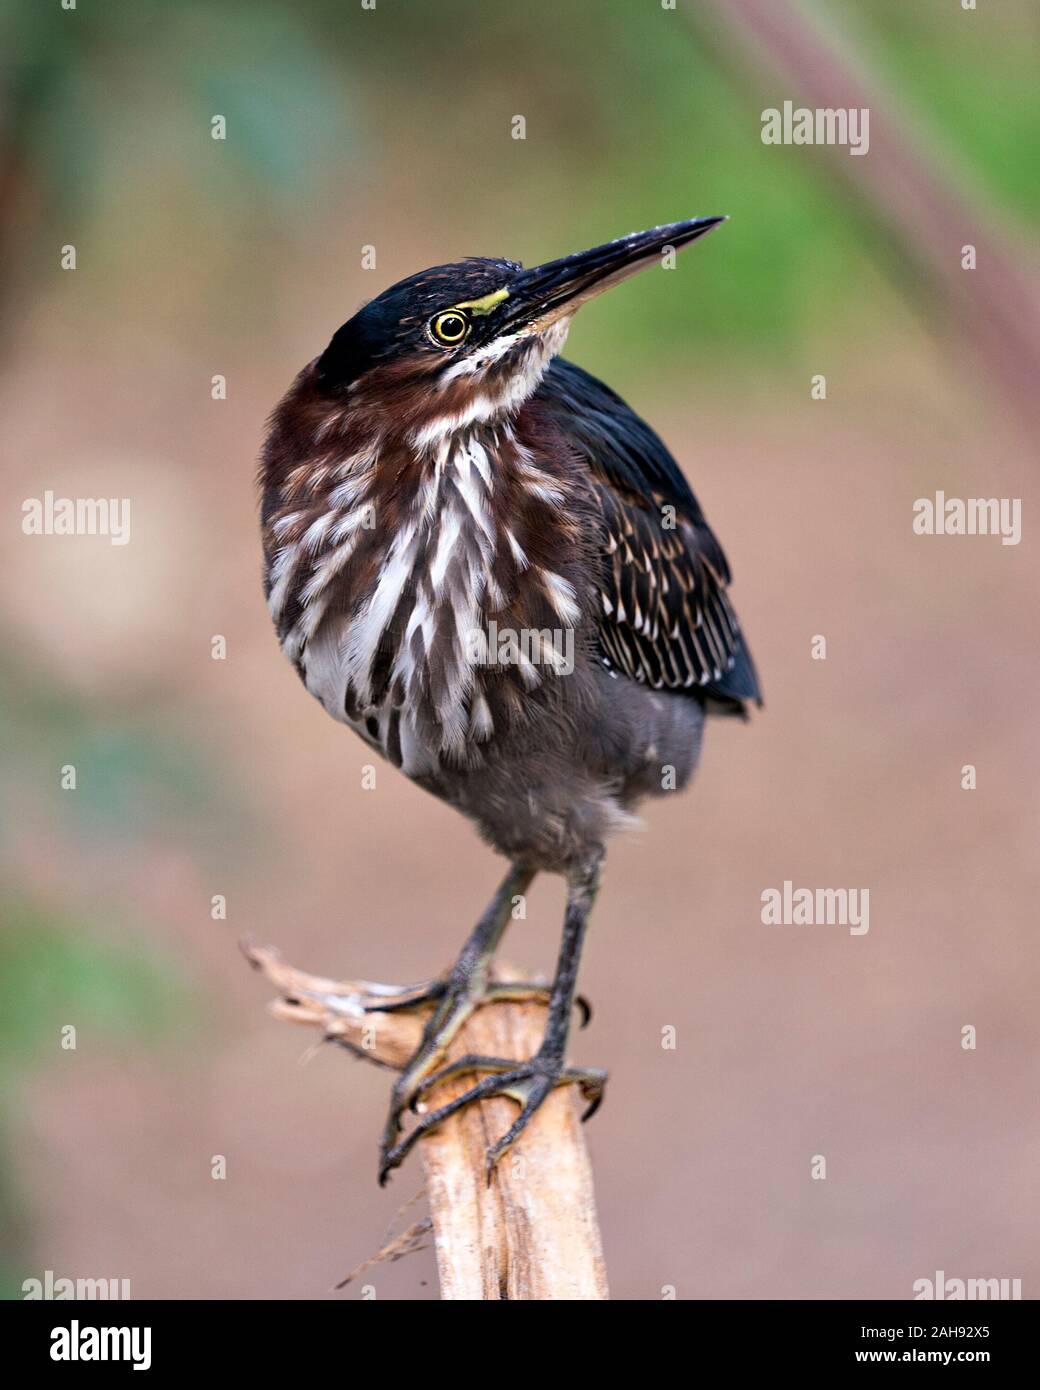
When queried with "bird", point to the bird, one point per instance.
{"points": [[481, 560]]}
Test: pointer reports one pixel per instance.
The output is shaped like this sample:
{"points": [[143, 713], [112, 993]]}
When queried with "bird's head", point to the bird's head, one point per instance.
{"points": [[468, 342]]}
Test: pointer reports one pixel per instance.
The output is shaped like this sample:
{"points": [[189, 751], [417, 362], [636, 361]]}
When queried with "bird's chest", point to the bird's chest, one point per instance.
{"points": [[394, 648], [428, 606]]}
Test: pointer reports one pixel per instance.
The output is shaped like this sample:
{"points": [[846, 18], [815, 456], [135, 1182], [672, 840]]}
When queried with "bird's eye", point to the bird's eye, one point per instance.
{"points": [[449, 328]]}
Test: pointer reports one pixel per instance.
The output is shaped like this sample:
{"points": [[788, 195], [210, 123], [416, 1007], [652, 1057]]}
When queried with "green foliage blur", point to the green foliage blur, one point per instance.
{"points": [[60, 964], [398, 118]]}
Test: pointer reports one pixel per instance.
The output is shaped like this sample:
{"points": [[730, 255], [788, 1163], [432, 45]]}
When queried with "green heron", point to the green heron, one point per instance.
{"points": [[478, 557]]}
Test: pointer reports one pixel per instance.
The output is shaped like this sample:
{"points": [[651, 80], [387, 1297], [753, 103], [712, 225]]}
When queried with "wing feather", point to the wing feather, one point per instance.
{"points": [[666, 617]]}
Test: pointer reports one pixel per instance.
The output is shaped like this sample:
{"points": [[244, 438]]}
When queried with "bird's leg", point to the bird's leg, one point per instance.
{"points": [[454, 999], [526, 1082]]}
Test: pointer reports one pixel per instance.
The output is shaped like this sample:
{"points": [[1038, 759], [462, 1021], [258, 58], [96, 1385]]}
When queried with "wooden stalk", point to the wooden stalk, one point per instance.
{"points": [[532, 1232]]}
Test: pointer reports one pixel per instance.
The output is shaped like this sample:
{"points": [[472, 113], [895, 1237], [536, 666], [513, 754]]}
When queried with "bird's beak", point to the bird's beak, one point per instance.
{"points": [[545, 293]]}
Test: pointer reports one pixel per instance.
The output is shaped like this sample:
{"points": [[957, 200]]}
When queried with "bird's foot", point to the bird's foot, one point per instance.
{"points": [[453, 1000], [528, 1083], [406, 998]]}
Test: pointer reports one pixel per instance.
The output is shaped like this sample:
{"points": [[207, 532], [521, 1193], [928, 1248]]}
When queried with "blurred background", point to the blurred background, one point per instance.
{"points": [[392, 128]]}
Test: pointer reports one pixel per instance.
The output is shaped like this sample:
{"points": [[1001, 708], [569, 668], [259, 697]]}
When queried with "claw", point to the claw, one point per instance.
{"points": [[472, 1062], [526, 1083], [408, 998], [453, 1008], [395, 1155], [452, 1005], [537, 1092], [541, 994], [595, 1099]]}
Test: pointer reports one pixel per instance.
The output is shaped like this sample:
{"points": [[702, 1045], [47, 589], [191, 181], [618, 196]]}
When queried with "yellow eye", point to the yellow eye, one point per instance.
{"points": [[449, 328]]}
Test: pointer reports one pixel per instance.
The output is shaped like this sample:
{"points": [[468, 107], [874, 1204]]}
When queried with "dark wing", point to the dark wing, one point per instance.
{"points": [[666, 616]]}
